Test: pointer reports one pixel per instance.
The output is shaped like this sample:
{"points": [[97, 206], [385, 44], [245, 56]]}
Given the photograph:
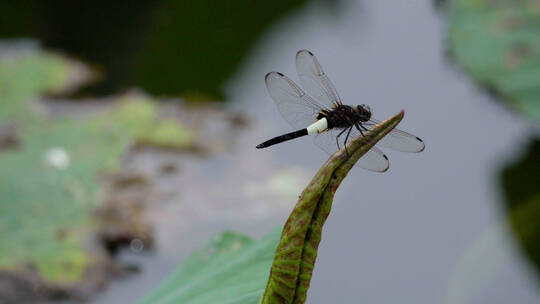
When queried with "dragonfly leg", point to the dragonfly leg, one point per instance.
{"points": [[359, 128], [337, 137], [363, 127], [347, 138]]}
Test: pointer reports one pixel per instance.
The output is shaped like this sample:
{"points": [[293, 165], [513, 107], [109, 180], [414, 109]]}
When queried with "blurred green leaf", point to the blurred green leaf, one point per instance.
{"points": [[166, 134], [520, 181], [498, 44], [233, 269], [46, 204], [230, 269]]}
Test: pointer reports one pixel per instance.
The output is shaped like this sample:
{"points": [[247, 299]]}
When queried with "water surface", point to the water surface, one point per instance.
{"points": [[430, 230]]}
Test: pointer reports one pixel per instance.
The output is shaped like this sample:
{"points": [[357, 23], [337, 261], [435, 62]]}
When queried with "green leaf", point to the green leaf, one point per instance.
{"points": [[230, 269], [520, 180], [498, 45], [166, 134], [233, 269], [47, 210]]}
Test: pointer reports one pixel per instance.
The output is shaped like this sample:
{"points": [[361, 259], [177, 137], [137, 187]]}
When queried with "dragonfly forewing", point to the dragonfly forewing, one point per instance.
{"points": [[314, 80]]}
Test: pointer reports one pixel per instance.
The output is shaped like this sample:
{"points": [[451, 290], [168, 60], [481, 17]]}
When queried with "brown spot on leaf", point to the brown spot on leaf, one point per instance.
{"points": [[9, 135]]}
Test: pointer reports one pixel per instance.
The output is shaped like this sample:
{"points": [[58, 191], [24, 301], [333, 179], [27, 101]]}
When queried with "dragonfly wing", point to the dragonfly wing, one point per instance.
{"points": [[298, 108], [398, 140], [314, 80], [373, 160]]}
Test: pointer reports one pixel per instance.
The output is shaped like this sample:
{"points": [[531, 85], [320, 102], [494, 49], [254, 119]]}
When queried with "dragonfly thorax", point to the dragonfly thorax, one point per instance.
{"points": [[343, 116], [364, 112]]}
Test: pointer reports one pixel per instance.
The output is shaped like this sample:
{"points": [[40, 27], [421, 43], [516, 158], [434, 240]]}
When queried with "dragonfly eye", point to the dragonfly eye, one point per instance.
{"points": [[367, 108], [364, 110]]}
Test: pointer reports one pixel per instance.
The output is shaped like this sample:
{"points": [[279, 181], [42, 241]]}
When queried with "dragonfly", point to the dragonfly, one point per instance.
{"points": [[322, 113]]}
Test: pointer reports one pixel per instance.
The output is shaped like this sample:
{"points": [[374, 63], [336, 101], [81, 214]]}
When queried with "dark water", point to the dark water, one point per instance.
{"points": [[172, 47]]}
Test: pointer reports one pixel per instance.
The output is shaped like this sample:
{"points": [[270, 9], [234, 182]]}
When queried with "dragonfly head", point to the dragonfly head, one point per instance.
{"points": [[364, 111]]}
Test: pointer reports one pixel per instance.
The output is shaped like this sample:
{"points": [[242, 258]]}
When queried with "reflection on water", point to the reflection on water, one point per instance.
{"points": [[168, 48]]}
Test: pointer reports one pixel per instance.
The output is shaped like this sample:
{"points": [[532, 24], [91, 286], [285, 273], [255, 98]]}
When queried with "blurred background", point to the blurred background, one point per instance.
{"points": [[128, 133]]}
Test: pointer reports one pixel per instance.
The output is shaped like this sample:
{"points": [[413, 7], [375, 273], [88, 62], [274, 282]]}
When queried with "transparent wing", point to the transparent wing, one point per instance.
{"points": [[373, 160], [314, 80], [298, 108], [398, 140]]}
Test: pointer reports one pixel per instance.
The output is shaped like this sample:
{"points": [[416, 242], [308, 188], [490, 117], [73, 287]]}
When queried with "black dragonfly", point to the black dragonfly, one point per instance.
{"points": [[324, 114]]}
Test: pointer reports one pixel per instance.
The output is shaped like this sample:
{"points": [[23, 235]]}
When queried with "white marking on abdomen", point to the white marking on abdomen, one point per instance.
{"points": [[317, 127]]}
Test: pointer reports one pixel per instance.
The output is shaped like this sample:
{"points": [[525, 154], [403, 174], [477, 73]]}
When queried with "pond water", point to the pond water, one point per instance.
{"points": [[430, 230]]}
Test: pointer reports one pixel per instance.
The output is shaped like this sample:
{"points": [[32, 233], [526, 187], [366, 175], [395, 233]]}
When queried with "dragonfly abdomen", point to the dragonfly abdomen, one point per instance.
{"points": [[282, 138], [315, 128]]}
